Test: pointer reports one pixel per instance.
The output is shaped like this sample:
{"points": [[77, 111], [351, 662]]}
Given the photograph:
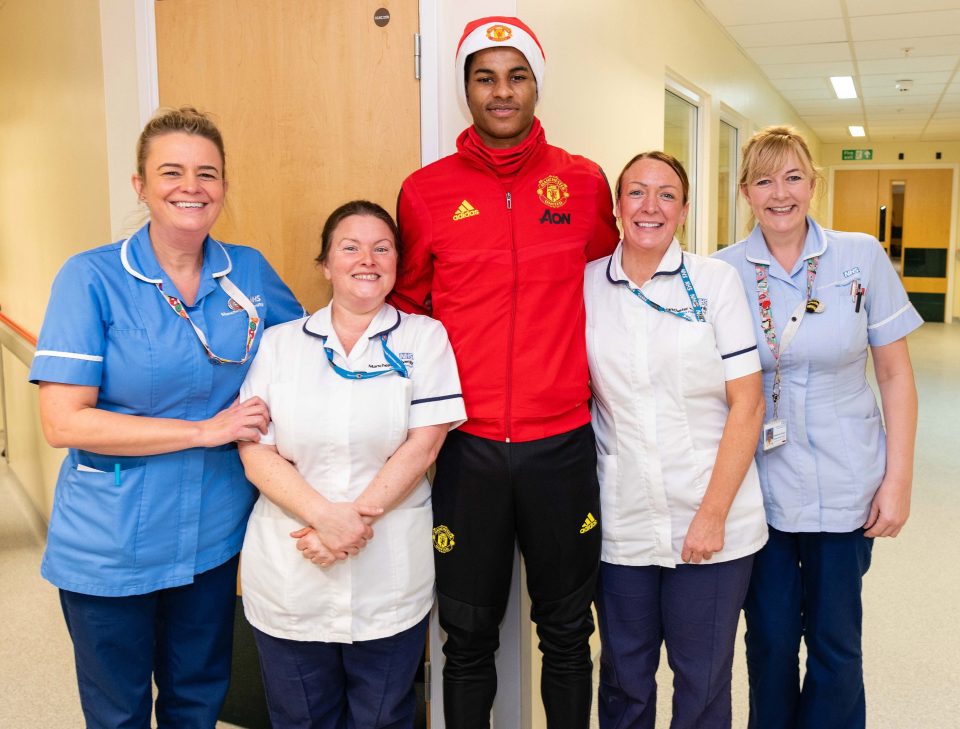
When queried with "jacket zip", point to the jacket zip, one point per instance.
{"points": [[513, 320]]}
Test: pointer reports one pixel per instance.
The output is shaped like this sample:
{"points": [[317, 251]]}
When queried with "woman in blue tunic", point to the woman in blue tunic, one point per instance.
{"points": [[142, 352], [832, 478]]}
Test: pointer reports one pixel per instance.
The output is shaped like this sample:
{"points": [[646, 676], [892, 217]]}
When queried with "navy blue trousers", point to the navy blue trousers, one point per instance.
{"points": [[807, 585], [181, 637], [362, 685], [694, 609]]}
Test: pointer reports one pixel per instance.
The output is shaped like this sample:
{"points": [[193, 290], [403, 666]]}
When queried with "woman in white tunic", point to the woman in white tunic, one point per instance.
{"points": [[337, 567], [677, 412]]}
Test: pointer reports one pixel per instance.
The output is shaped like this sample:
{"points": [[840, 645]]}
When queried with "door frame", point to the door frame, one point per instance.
{"points": [[954, 212]]}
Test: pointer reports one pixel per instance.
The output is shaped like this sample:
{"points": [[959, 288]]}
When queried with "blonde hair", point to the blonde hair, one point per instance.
{"points": [[186, 120], [767, 152]]}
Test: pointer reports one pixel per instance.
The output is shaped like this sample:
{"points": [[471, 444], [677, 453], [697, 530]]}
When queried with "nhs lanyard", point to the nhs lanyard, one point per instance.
{"points": [[697, 314], [396, 364], [231, 290], [778, 347]]}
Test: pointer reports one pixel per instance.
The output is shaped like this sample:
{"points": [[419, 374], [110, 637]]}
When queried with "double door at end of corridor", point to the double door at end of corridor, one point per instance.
{"points": [[909, 211]]}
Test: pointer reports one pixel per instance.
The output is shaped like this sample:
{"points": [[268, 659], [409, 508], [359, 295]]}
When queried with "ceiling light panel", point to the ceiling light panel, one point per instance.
{"points": [[843, 87]]}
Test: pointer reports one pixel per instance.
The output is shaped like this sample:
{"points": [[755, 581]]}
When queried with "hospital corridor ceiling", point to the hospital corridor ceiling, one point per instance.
{"points": [[885, 45]]}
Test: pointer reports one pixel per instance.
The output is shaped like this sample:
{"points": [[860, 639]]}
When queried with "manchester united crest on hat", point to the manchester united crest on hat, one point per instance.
{"points": [[499, 33]]}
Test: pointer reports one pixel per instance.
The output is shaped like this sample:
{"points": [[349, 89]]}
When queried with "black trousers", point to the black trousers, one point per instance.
{"points": [[487, 496]]}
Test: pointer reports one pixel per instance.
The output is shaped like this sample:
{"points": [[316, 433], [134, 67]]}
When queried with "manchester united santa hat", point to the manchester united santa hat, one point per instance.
{"points": [[498, 30]]}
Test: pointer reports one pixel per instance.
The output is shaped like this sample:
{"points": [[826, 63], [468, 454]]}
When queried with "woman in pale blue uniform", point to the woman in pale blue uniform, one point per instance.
{"points": [[143, 350], [832, 476]]}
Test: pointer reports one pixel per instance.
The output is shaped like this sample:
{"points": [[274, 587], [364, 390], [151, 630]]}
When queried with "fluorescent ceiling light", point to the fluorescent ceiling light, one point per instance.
{"points": [[857, 132], [843, 87]]}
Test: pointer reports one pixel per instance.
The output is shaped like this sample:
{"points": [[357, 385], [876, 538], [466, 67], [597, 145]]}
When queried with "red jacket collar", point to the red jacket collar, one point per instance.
{"points": [[502, 162]]}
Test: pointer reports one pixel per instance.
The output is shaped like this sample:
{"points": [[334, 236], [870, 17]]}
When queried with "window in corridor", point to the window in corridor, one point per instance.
{"points": [[727, 185], [680, 125]]}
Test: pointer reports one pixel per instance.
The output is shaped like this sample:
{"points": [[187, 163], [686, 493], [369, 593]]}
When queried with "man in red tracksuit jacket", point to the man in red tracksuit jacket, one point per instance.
{"points": [[495, 239]]}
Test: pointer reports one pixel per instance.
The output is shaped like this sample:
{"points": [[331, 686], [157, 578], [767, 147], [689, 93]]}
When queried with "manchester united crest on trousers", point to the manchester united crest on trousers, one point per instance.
{"points": [[552, 191], [442, 539]]}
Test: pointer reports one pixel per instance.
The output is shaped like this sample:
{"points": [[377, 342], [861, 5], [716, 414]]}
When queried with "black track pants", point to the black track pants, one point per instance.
{"points": [[487, 495]]}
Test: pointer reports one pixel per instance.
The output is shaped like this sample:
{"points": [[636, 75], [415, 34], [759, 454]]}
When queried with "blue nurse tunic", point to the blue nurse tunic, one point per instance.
{"points": [[126, 525]]}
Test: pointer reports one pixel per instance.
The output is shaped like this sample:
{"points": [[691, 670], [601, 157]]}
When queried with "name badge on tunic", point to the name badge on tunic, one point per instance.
{"points": [[774, 434]]}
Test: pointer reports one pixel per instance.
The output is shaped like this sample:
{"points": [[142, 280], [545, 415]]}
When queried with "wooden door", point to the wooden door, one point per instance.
{"points": [[859, 196], [926, 238], [318, 104], [855, 207]]}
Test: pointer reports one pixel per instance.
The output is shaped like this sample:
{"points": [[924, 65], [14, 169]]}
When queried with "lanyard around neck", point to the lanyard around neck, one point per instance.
{"points": [[396, 364], [234, 293], [777, 347], [697, 314]]}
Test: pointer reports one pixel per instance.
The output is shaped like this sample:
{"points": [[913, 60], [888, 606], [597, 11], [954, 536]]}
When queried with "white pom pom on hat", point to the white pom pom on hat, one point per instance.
{"points": [[498, 30]]}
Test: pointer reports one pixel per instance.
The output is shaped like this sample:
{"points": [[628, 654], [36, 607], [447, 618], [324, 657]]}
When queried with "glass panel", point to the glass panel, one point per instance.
{"points": [[680, 140], [727, 186], [930, 306], [926, 262], [897, 190]]}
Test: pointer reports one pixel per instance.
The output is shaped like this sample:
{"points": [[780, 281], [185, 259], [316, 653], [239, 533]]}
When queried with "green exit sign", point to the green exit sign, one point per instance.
{"points": [[857, 154]]}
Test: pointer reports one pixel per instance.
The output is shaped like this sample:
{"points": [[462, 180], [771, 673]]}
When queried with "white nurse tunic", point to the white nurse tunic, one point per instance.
{"points": [[339, 432], [660, 404]]}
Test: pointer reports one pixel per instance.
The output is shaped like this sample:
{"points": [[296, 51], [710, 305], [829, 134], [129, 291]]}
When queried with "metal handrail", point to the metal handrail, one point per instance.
{"points": [[17, 339]]}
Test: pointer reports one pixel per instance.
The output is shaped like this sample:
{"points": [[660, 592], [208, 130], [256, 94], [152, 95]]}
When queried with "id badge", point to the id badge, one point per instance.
{"points": [[774, 434]]}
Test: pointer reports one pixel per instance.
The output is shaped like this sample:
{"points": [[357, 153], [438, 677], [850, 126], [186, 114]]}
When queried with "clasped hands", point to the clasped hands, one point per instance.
{"points": [[339, 530]]}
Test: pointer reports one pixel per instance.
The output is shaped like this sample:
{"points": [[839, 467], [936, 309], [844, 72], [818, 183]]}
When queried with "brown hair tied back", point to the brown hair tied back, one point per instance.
{"points": [[355, 207], [186, 120], [669, 160]]}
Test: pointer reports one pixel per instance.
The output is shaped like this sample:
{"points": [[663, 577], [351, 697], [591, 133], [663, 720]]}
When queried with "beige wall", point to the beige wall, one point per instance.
{"points": [[53, 184]]}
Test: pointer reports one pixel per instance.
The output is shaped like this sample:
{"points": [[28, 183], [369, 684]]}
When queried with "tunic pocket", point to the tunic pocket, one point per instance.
{"points": [[410, 565], [864, 449], [608, 476], [841, 326], [700, 363], [97, 519]]}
